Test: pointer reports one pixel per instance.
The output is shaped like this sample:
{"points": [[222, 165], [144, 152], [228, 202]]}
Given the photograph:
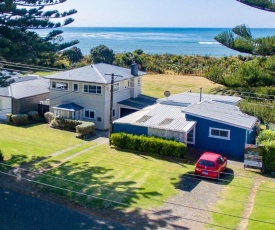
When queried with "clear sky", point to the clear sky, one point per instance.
{"points": [[166, 13]]}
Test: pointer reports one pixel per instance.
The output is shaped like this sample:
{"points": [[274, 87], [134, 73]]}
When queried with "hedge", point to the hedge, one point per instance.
{"points": [[19, 119], [153, 145], [85, 128], [266, 139], [33, 115], [269, 156]]}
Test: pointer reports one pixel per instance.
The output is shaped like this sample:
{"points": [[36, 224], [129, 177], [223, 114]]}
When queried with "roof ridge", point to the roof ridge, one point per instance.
{"points": [[105, 81]]}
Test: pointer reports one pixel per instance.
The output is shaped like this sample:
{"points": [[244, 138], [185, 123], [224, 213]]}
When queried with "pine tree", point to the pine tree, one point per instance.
{"points": [[241, 39], [18, 43]]}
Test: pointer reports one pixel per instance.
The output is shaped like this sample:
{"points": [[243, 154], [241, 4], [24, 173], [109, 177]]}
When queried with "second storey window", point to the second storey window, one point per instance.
{"points": [[126, 84], [94, 89], [116, 86], [219, 133], [60, 85], [75, 87]]}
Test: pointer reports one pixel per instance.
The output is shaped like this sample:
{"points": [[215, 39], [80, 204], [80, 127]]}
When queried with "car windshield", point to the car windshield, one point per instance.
{"points": [[206, 163]]}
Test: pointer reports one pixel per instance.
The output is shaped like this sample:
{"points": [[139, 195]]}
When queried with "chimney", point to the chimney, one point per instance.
{"points": [[134, 69]]}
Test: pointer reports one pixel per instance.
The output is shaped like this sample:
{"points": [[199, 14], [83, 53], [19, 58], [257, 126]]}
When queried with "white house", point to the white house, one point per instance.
{"points": [[85, 93]]}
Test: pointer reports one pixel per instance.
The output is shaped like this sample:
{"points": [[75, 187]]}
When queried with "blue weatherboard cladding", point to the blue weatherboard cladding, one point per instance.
{"points": [[233, 148], [251, 136], [128, 128]]}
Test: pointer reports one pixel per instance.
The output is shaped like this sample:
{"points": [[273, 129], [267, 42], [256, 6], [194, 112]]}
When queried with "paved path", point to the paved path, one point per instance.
{"points": [[18, 211]]}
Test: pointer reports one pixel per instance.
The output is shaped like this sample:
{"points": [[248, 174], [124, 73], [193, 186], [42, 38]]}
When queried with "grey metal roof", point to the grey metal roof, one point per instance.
{"points": [[4, 91], [139, 102], [95, 73], [28, 88], [186, 98], [221, 112], [159, 116], [69, 107]]}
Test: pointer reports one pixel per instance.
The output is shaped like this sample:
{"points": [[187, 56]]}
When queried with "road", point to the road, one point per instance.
{"points": [[20, 212]]}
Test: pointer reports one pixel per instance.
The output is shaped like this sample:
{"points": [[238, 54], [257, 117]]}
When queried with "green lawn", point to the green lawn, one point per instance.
{"points": [[264, 207], [22, 144], [155, 84], [104, 172]]}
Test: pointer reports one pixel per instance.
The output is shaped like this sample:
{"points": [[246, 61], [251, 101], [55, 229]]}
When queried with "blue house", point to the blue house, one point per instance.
{"points": [[221, 128], [215, 124]]}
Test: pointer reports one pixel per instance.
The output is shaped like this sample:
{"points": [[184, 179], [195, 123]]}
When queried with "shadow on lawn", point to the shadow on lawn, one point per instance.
{"points": [[93, 189], [190, 181]]}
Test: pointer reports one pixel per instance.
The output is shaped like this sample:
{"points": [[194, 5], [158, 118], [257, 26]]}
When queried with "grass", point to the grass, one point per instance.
{"points": [[156, 84], [264, 207], [136, 181], [232, 200], [23, 144]]}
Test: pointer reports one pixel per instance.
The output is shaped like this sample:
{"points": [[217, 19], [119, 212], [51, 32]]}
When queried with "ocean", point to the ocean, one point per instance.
{"points": [[183, 41]]}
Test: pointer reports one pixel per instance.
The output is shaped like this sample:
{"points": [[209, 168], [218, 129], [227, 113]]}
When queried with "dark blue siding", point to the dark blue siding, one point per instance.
{"points": [[233, 148], [251, 136], [128, 128]]}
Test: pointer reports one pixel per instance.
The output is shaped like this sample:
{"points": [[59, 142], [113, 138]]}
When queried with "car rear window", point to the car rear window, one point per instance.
{"points": [[207, 163]]}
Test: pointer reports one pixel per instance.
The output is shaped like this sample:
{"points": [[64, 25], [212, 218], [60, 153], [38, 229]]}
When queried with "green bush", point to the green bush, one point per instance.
{"points": [[49, 116], [33, 115], [85, 128], [265, 136], [269, 156], [153, 145], [19, 119]]}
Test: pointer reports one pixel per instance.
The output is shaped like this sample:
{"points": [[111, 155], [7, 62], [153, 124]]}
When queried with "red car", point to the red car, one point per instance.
{"points": [[211, 165]]}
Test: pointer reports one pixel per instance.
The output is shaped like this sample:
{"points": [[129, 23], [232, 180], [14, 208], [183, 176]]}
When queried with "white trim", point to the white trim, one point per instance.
{"points": [[194, 135], [118, 88], [219, 137], [92, 85], [90, 110]]}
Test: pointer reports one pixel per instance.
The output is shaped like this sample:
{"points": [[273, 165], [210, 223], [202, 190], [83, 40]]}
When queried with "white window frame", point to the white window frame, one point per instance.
{"points": [[219, 137], [194, 132], [116, 87], [97, 86], [126, 84], [77, 87], [89, 110], [113, 112], [60, 82]]}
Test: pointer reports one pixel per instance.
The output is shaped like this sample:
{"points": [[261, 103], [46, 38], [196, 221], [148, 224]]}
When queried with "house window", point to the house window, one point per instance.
{"points": [[219, 133], [138, 81], [75, 87], [116, 86], [60, 85], [191, 137], [114, 112], [90, 114], [93, 89], [126, 84]]}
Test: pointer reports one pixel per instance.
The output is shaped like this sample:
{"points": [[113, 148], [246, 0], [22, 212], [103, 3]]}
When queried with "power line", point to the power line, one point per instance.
{"points": [[105, 199], [121, 203]]}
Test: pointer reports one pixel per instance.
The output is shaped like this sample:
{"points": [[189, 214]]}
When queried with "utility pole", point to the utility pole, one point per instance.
{"points": [[111, 104]]}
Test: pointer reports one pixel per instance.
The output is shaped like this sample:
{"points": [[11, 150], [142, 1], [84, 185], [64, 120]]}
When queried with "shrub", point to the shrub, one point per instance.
{"points": [[33, 115], [152, 145], [19, 119], [85, 128], [265, 136], [49, 116], [269, 156]]}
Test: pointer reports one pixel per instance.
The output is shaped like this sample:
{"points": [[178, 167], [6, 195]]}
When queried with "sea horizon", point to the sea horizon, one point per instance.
{"points": [[154, 40]]}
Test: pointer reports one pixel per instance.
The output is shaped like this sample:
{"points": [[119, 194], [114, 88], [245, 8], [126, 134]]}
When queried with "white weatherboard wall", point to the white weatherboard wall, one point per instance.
{"points": [[5, 107]]}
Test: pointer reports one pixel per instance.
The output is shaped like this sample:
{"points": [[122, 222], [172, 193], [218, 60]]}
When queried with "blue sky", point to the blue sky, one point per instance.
{"points": [[166, 13]]}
